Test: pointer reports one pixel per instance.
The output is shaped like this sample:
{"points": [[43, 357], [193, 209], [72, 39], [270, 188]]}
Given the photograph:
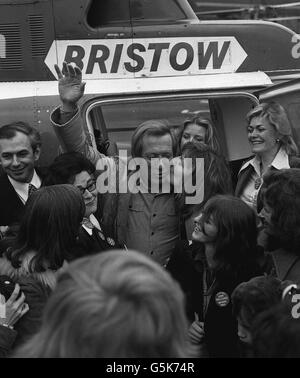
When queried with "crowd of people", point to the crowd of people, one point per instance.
{"points": [[143, 274]]}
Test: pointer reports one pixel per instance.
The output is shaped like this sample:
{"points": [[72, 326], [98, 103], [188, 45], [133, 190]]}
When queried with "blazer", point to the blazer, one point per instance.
{"points": [[245, 175], [11, 206], [95, 243], [286, 265]]}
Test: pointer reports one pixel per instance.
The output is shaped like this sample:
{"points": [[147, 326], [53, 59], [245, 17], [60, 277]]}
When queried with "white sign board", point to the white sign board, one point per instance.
{"points": [[153, 57], [2, 46]]}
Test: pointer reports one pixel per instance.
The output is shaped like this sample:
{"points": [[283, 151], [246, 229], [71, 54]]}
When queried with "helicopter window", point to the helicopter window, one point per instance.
{"points": [[125, 12], [117, 119], [120, 120]]}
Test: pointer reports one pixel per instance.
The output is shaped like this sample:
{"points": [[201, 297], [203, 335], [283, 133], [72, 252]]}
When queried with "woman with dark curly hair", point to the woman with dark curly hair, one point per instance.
{"points": [[224, 253], [96, 233], [281, 214]]}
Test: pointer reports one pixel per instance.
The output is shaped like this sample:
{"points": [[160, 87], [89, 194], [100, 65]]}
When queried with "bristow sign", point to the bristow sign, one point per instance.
{"points": [[152, 57]]}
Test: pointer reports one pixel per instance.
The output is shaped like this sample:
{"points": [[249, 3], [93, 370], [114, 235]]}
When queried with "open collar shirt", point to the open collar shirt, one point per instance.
{"points": [[21, 188], [250, 193]]}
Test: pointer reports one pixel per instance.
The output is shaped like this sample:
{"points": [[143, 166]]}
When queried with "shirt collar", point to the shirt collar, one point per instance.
{"points": [[254, 162], [94, 222], [22, 188], [281, 161]]}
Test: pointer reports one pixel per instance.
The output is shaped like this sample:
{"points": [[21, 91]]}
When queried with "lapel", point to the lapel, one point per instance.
{"points": [[11, 206], [284, 262], [243, 178]]}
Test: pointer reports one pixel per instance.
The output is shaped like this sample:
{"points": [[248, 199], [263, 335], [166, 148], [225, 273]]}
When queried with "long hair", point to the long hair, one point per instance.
{"points": [[211, 138], [114, 305], [217, 177], [66, 166], [236, 240], [281, 192], [49, 227], [278, 118]]}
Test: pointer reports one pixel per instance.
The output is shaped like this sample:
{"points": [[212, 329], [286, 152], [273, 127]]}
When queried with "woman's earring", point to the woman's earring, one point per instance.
{"points": [[277, 140]]}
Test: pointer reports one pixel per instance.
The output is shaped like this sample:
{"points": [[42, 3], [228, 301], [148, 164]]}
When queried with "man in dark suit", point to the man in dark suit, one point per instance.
{"points": [[20, 146]]}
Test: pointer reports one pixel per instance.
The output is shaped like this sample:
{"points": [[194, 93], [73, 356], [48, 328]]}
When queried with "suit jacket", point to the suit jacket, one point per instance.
{"points": [[287, 265], [11, 206], [95, 243]]}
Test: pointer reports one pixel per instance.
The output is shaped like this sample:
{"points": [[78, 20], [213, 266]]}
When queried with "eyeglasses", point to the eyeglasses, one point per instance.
{"points": [[90, 188]]}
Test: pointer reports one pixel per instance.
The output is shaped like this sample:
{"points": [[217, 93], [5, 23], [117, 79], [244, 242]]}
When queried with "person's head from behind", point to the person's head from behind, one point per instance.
{"points": [[113, 305], [20, 147], [228, 225], [276, 333], [74, 168], [153, 139], [199, 130], [281, 211], [269, 129], [249, 299], [49, 227]]}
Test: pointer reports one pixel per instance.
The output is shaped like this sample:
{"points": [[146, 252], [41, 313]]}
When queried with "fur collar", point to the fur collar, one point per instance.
{"points": [[47, 278]]}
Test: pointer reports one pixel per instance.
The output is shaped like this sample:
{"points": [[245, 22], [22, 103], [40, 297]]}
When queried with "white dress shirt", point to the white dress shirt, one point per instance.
{"points": [[94, 222], [21, 188], [250, 193]]}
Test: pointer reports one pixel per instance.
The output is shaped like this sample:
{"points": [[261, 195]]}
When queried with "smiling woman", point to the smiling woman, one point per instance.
{"points": [[94, 235], [271, 140], [223, 254]]}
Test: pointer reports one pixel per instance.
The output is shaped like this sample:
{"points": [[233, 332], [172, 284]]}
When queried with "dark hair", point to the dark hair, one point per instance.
{"points": [[255, 296], [49, 227], [211, 139], [10, 131], [281, 192], [276, 334], [217, 177], [66, 166], [236, 241], [112, 305], [151, 128]]}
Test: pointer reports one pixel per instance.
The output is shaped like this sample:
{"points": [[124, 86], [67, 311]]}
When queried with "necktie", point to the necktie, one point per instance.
{"points": [[31, 189]]}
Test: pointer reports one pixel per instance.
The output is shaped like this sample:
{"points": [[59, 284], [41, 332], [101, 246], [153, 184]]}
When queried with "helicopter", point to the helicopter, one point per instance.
{"points": [[142, 59], [286, 13]]}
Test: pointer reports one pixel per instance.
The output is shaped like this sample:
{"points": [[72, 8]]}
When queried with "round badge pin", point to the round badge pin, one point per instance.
{"points": [[222, 299]]}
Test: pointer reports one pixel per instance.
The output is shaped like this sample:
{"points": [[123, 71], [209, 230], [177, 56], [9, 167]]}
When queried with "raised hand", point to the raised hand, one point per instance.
{"points": [[70, 85]]}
